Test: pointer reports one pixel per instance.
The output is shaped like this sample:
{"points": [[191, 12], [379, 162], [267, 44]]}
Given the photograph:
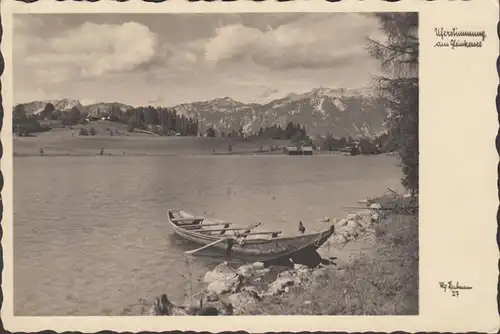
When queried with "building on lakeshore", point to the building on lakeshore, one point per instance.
{"points": [[293, 150]]}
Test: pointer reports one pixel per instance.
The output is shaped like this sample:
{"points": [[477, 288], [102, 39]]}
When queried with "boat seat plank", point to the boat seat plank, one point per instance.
{"points": [[203, 225], [257, 233], [194, 223], [185, 219], [225, 229]]}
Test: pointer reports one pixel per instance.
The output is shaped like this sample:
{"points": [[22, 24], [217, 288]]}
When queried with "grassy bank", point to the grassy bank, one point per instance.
{"points": [[385, 282]]}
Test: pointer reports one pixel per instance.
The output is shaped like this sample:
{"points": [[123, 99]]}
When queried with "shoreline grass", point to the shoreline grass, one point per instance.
{"points": [[385, 282]]}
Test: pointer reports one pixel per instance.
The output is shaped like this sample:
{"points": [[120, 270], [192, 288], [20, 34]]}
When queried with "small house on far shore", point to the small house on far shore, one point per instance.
{"points": [[292, 150], [307, 150]]}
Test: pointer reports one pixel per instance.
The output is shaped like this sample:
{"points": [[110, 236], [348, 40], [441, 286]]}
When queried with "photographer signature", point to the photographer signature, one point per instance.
{"points": [[453, 288]]}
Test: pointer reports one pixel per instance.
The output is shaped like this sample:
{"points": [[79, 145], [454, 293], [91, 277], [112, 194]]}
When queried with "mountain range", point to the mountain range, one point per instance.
{"points": [[339, 112]]}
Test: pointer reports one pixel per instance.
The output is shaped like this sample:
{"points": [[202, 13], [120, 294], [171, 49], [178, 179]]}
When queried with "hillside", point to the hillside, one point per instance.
{"points": [[105, 108], [37, 107], [337, 111], [322, 111]]}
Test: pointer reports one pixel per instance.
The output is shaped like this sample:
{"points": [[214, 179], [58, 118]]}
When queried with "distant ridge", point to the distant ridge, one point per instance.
{"points": [[340, 112]]}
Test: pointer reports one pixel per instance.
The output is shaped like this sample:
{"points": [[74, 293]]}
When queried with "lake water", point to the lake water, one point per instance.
{"points": [[91, 237]]}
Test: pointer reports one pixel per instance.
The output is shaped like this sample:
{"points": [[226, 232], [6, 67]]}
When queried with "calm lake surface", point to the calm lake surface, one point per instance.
{"points": [[91, 237]]}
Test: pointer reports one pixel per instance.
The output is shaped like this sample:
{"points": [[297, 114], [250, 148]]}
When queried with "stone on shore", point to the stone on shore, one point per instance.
{"points": [[246, 270], [221, 272], [248, 296], [352, 216], [351, 224], [319, 273], [258, 265], [224, 285], [325, 219], [301, 272], [210, 297], [255, 269], [283, 280], [354, 225]]}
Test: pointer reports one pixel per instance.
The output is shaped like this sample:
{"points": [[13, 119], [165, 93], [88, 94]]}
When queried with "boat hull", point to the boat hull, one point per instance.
{"points": [[253, 249]]}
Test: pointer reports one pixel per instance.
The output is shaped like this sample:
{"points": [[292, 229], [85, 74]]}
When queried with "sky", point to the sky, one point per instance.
{"points": [[167, 59]]}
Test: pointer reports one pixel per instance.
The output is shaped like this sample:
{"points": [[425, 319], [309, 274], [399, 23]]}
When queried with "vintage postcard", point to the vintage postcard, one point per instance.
{"points": [[298, 166]]}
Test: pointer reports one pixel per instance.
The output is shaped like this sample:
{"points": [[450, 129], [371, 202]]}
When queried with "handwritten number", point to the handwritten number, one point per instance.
{"points": [[454, 293]]}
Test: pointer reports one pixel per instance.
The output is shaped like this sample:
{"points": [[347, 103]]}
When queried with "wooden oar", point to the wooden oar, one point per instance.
{"points": [[190, 252]]}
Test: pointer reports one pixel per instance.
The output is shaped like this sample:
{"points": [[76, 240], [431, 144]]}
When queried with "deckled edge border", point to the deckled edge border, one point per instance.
{"points": [[497, 142], [2, 68]]}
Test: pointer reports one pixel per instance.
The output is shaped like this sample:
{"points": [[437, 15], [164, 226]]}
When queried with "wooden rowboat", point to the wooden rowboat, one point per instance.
{"points": [[233, 241]]}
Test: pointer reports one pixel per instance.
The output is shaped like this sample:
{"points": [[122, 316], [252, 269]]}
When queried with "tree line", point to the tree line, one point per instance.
{"points": [[160, 120], [382, 143], [290, 131], [163, 121], [24, 125]]}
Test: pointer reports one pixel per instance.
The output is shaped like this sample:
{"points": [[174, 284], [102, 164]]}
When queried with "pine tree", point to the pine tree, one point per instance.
{"points": [[47, 111], [399, 90]]}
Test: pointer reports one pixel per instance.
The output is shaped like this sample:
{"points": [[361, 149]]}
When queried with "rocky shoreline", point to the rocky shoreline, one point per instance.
{"points": [[235, 291]]}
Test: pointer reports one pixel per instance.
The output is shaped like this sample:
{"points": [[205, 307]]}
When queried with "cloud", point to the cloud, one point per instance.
{"points": [[26, 22], [138, 59], [89, 50], [232, 41], [103, 48], [312, 42]]}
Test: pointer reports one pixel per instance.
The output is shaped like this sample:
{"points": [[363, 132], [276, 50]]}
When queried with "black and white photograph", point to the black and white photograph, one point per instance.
{"points": [[216, 164]]}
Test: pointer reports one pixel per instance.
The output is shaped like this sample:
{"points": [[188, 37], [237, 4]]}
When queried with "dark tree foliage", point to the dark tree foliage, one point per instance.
{"points": [[74, 115], [47, 111], [399, 88], [210, 132], [24, 125], [131, 124], [19, 114], [290, 131], [164, 121]]}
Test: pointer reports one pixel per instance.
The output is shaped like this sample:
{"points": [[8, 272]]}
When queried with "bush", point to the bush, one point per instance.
{"points": [[210, 132], [368, 147]]}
